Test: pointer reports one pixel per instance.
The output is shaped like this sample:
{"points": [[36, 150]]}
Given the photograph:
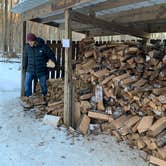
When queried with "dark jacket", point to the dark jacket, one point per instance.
{"points": [[35, 58]]}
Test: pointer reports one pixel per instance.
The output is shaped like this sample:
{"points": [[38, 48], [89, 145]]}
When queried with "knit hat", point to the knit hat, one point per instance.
{"points": [[31, 37]]}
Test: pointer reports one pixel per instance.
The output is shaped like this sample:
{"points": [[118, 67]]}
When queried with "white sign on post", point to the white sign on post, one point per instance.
{"points": [[66, 43]]}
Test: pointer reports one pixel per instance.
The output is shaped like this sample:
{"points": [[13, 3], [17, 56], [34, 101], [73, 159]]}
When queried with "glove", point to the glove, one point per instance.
{"points": [[50, 64]]}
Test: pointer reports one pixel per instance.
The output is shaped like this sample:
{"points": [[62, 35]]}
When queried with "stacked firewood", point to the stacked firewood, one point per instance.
{"points": [[122, 87], [53, 102], [55, 90]]}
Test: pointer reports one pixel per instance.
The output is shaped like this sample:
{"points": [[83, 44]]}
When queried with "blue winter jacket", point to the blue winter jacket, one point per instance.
{"points": [[35, 58]]}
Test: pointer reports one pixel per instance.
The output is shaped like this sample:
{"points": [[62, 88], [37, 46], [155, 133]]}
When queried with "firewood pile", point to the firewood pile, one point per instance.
{"points": [[54, 99], [122, 87], [55, 90]]}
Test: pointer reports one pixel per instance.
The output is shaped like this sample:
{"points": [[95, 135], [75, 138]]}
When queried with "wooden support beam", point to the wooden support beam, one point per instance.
{"points": [[143, 26], [22, 57], [54, 24], [94, 31], [82, 28], [52, 18], [68, 72], [149, 27], [51, 23], [157, 27], [109, 26]]}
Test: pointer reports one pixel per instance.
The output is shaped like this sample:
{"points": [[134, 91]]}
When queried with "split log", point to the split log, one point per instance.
{"points": [[83, 124], [157, 127], [145, 124]]}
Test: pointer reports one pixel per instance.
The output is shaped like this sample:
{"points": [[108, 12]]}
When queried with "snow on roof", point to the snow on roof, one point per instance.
{"points": [[25, 5], [131, 6]]}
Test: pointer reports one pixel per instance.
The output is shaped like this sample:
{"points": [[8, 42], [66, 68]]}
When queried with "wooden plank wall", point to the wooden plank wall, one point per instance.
{"points": [[59, 52]]}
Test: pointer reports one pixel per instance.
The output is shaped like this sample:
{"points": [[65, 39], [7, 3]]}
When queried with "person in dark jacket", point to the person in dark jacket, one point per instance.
{"points": [[36, 55]]}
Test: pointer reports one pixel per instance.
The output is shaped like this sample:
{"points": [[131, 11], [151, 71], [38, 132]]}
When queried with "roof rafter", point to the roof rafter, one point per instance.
{"points": [[109, 26]]}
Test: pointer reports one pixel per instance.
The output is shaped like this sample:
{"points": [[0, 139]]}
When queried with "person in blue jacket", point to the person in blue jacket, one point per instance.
{"points": [[36, 55]]}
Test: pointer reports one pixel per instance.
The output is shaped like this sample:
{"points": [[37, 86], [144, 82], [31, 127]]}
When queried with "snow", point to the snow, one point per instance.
{"points": [[9, 81], [26, 141]]}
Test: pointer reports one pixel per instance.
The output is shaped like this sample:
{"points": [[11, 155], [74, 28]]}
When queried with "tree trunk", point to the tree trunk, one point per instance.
{"points": [[10, 31], [5, 22]]}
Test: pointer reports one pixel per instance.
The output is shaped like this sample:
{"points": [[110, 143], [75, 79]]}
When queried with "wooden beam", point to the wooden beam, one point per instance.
{"points": [[54, 24], [154, 28], [51, 23], [109, 26], [149, 27], [68, 72], [95, 32], [76, 26], [84, 29], [142, 26], [151, 13], [52, 18], [22, 57]]}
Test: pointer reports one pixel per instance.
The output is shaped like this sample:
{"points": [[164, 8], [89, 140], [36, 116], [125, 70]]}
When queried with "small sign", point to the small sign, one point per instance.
{"points": [[66, 43]]}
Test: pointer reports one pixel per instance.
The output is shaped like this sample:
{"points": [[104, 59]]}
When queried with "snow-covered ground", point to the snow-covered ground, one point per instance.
{"points": [[25, 141], [9, 81]]}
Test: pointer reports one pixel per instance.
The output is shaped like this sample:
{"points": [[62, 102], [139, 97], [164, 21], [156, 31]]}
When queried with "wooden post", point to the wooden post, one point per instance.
{"points": [[22, 57], [68, 72]]}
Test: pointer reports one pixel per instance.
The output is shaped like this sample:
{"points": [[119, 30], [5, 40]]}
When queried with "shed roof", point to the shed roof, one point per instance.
{"points": [[99, 17], [25, 5]]}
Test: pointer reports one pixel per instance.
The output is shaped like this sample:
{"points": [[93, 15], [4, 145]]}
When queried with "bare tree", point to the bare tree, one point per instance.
{"points": [[5, 22], [10, 29], [1, 22]]}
